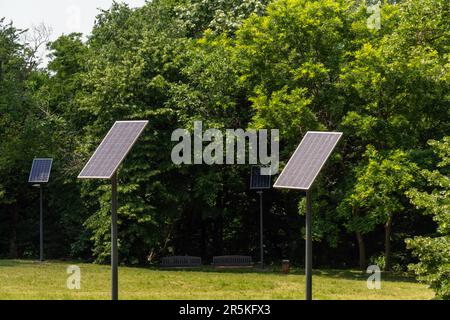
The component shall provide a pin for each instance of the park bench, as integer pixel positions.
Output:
(232, 262)
(181, 262)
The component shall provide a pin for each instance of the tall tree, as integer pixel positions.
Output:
(434, 252)
(377, 196)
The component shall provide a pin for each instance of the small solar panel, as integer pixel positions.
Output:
(308, 160)
(113, 150)
(259, 181)
(40, 170)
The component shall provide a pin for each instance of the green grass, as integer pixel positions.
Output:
(21, 280)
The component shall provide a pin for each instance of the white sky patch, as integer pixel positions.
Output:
(62, 16)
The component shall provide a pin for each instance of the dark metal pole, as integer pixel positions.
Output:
(41, 226)
(114, 251)
(261, 226)
(308, 266)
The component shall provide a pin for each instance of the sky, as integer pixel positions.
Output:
(63, 16)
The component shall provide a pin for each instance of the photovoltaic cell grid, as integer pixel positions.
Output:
(258, 181)
(113, 150)
(40, 171)
(307, 161)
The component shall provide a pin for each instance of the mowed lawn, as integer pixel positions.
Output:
(24, 280)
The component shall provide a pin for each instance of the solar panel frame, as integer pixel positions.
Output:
(290, 165)
(35, 166)
(259, 184)
(90, 165)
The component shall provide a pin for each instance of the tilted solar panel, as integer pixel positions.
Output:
(113, 150)
(40, 170)
(308, 160)
(258, 181)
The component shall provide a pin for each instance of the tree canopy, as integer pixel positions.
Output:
(292, 65)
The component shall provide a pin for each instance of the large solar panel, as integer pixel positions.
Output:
(40, 170)
(113, 150)
(259, 181)
(307, 161)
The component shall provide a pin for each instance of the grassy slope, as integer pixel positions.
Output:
(31, 280)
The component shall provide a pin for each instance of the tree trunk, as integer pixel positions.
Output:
(361, 244)
(204, 241)
(362, 251)
(13, 232)
(218, 235)
(387, 243)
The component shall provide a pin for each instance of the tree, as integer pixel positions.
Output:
(161, 72)
(291, 60)
(434, 252)
(377, 196)
(25, 129)
(219, 16)
(292, 65)
(13, 106)
(395, 88)
(35, 40)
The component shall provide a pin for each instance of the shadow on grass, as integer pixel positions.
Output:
(360, 275)
(22, 263)
(276, 270)
(16, 263)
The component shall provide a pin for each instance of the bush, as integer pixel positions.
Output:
(434, 265)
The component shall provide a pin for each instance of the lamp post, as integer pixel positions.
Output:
(41, 222)
(260, 182)
(39, 175)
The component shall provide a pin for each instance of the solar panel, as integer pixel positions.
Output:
(308, 160)
(113, 150)
(258, 181)
(40, 170)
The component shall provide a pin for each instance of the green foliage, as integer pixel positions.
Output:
(397, 86)
(434, 265)
(219, 16)
(292, 65)
(31, 127)
(288, 111)
(154, 71)
(434, 253)
(379, 187)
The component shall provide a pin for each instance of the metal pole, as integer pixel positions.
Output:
(308, 266)
(114, 251)
(41, 226)
(261, 226)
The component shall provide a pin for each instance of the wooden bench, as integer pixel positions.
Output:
(181, 262)
(233, 262)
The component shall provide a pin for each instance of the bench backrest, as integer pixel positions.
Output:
(233, 261)
(181, 261)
